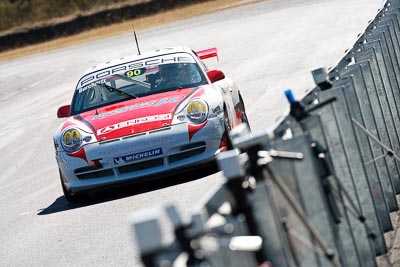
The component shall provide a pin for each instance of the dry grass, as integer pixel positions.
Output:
(124, 27)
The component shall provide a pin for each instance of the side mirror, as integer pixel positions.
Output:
(63, 112)
(215, 75)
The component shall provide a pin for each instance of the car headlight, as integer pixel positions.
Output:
(197, 111)
(73, 139)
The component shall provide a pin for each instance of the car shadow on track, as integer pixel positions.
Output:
(61, 204)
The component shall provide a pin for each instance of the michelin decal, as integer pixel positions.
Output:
(138, 156)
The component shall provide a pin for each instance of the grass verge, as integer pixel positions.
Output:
(124, 27)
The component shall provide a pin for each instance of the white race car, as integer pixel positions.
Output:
(144, 116)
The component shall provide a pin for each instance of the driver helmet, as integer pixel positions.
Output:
(173, 71)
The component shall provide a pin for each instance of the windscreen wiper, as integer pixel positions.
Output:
(112, 89)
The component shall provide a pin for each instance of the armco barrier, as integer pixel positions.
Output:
(316, 191)
(375, 167)
(339, 138)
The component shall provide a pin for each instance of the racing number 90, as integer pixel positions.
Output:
(135, 72)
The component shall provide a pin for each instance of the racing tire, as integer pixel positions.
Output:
(71, 198)
(245, 120)
(228, 128)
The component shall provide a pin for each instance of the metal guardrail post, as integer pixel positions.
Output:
(376, 168)
(253, 203)
(310, 188)
(389, 96)
(392, 19)
(332, 132)
(306, 244)
(378, 216)
(381, 110)
(375, 123)
(350, 170)
(345, 234)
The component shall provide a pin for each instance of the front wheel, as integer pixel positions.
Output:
(228, 128)
(242, 108)
(67, 194)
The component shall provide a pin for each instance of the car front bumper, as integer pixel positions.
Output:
(143, 155)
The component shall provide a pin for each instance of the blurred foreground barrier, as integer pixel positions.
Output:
(316, 191)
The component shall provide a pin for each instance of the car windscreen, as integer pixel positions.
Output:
(136, 79)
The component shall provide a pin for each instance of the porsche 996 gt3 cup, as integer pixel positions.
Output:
(143, 116)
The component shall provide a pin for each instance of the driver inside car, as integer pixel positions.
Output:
(171, 75)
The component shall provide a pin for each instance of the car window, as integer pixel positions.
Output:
(136, 79)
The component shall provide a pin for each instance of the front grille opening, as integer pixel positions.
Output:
(141, 165)
(98, 174)
(193, 145)
(186, 154)
(86, 169)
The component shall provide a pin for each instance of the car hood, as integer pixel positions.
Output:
(136, 115)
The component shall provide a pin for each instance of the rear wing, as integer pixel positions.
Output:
(208, 53)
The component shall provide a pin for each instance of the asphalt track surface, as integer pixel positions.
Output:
(267, 47)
